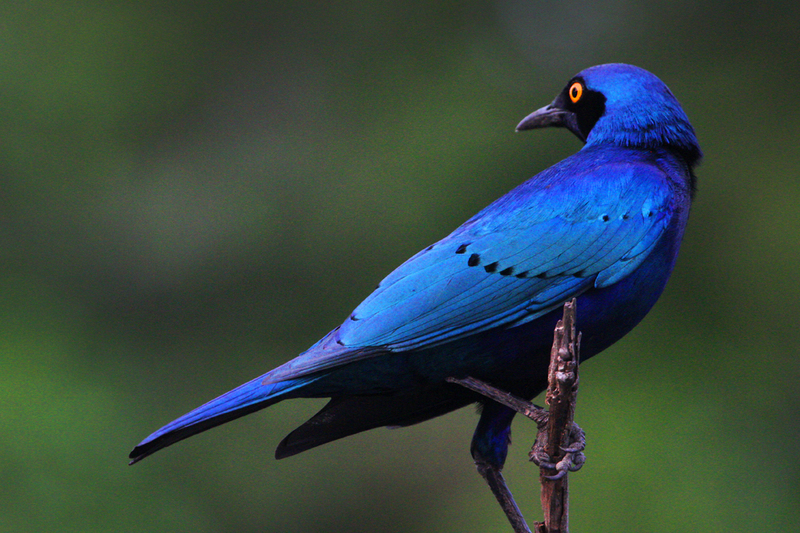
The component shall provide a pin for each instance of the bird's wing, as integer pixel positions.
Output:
(548, 240)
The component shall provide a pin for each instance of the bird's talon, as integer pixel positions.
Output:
(573, 448)
(547, 465)
(559, 475)
(573, 458)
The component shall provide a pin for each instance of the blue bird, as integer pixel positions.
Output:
(603, 226)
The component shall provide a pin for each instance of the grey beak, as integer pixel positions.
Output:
(551, 115)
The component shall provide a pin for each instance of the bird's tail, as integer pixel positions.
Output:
(242, 400)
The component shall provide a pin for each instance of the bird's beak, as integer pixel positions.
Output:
(551, 115)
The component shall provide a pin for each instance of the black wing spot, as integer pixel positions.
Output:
(605, 218)
(462, 249)
(474, 260)
(523, 274)
(626, 216)
(354, 318)
(491, 267)
(507, 271)
(429, 248)
(339, 342)
(542, 275)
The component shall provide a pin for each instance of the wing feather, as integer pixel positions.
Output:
(549, 240)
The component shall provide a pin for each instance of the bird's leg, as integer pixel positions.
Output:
(489, 450)
(497, 483)
(573, 459)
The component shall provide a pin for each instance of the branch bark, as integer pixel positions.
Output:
(562, 391)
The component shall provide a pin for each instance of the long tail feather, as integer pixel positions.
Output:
(245, 399)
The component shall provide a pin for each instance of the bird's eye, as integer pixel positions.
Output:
(575, 92)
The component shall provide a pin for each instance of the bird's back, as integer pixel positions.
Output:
(581, 226)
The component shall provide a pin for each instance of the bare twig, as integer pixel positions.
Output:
(561, 396)
(523, 407)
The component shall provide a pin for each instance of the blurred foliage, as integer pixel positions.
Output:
(194, 192)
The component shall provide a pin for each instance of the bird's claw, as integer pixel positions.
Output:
(574, 448)
(573, 458)
(576, 438)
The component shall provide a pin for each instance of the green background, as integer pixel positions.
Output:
(195, 192)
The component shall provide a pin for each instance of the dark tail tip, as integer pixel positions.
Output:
(135, 456)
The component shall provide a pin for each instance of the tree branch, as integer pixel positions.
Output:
(561, 431)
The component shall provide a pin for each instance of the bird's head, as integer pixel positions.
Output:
(621, 105)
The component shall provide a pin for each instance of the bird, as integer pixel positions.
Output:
(603, 226)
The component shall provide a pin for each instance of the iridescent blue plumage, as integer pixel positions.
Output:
(604, 225)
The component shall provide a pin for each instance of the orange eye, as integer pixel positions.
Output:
(575, 92)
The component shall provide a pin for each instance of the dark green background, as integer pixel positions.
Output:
(194, 192)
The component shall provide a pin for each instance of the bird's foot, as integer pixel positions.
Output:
(572, 459)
